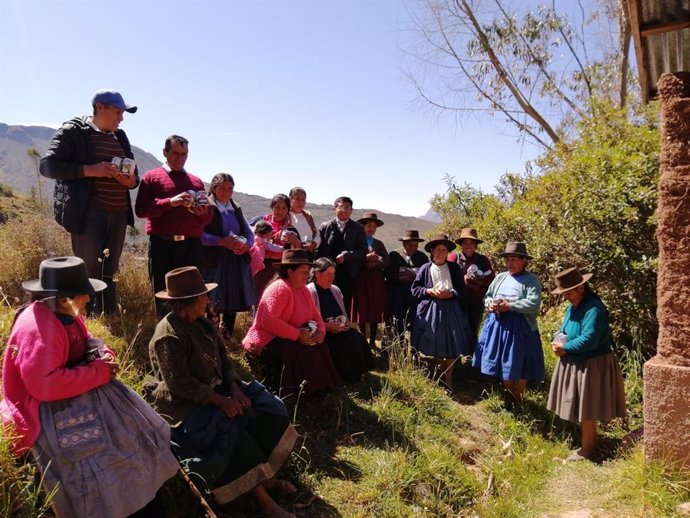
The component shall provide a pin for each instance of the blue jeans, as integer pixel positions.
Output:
(102, 230)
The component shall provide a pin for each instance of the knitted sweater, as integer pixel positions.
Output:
(281, 312)
(587, 329)
(153, 202)
(530, 299)
(35, 370)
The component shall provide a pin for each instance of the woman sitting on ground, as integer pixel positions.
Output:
(87, 432)
(441, 330)
(288, 332)
(587, 384)
(509, 345)
(230, 436)
(349, 350)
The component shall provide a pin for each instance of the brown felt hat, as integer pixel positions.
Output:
(294, 257)
(184, 283)
(411, 235)
(63, 276)
(468, 233)
(439, 239)
(370, 216)
(569, 279)
(516, 248)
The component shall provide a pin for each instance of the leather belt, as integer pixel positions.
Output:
(176, 237)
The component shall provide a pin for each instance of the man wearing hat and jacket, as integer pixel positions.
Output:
(92, 193)
(402, 270)
(478, 274)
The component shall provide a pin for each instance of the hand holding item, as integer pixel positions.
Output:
(101, 170)
(444, 293)
(184, 199)
(198, 210)
(340, 258)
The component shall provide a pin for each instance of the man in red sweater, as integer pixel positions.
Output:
(174, 221)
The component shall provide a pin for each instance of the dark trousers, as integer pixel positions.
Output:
(100, 247)
(346, 285)
(475, 311)
(166, 255)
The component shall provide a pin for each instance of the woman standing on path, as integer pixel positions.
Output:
(587, 384)
(509, 346)
(441, 330)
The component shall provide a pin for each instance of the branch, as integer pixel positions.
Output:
(503, 76)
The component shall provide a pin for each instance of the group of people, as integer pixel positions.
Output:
(88, 432)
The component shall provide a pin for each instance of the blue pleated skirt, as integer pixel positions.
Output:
(441, 330)
(509, 349)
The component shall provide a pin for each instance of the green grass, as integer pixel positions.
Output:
(394, 444)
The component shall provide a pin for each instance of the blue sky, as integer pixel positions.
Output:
(278, 93)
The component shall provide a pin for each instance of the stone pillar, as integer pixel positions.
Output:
(667, 375)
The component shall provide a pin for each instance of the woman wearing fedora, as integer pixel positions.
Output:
(226, 242)
(441, 330)
(402, 270)
(87, 432)
(288, 331)
(230, 436)
(509, 345)
(369, 296)
(351, 354)
(477, 273)
(587, 384)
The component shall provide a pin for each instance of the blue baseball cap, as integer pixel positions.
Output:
(113, 98)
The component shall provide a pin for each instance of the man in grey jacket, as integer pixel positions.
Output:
(91, 192)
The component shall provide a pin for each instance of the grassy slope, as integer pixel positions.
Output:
(394, 444)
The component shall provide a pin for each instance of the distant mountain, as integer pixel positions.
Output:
(431, 216)
(18, 171)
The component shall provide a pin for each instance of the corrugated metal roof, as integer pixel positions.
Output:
(661, 36)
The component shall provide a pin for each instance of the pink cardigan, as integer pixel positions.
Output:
(34, 370)
(281, 312)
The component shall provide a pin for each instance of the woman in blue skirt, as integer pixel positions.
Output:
(509, 345)
(441, 329)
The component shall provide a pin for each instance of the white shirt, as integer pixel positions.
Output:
(299, 221)
(440, 276)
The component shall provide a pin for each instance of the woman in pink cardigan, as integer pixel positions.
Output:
(288, 332)
(87, 432)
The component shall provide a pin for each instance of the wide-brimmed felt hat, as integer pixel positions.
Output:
(63, 276)
(439, 239)
(411, 235)
(569, 279)
(370, 216)
(516, 248)
(184, 283)
(468, 233)
(294, 257)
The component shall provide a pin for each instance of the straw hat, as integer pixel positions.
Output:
(184, 283)
(569, 279)
(63, 276)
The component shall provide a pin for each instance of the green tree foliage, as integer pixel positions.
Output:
(592, 206)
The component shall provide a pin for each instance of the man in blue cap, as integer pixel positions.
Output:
(91, 192)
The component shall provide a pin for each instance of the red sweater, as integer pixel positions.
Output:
(153, 203)
(34, 370)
